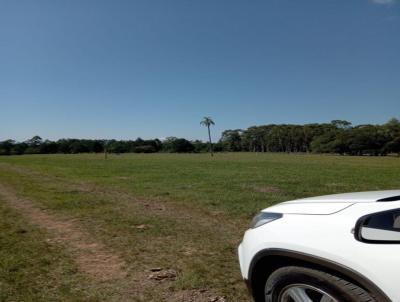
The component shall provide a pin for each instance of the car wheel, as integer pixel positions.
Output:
(301, 284)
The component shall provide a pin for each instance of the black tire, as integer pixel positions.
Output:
(339, 289)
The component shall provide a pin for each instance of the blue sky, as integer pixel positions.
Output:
(148, 68)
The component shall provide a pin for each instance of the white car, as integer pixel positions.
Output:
(342, 248)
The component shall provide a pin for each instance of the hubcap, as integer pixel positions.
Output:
(304, 293)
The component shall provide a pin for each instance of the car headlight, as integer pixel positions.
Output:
(263, 218)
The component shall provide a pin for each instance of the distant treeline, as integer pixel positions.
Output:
(338, 137)
(36, 145)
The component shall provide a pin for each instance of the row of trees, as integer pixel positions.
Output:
(37, 145)
(338, 137)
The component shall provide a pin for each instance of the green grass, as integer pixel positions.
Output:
(230, 182)
(196, 207)
(33, 270)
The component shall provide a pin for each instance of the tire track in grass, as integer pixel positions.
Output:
(92, 257)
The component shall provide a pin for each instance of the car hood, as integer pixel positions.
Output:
(310, 208)
(329, 204)
(370, 196)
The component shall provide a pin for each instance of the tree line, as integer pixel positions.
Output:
(338, 137)
(36, 145)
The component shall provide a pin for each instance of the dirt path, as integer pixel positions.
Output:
(92, 257)
(104, 267)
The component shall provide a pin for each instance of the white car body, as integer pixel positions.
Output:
(323, 228)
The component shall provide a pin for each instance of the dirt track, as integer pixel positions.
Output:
(92, 257)
(103, 266)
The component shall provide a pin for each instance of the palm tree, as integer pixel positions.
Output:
(207, 122)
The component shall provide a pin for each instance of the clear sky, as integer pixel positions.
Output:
(153, 68)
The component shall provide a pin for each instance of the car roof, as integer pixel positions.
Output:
(371, 196)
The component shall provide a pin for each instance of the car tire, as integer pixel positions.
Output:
(287, 282)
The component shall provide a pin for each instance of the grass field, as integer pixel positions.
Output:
(157, 227)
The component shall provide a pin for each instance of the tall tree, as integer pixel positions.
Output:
(231, 140)
(208, 122)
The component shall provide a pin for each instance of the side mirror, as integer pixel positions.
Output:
(381, 227)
